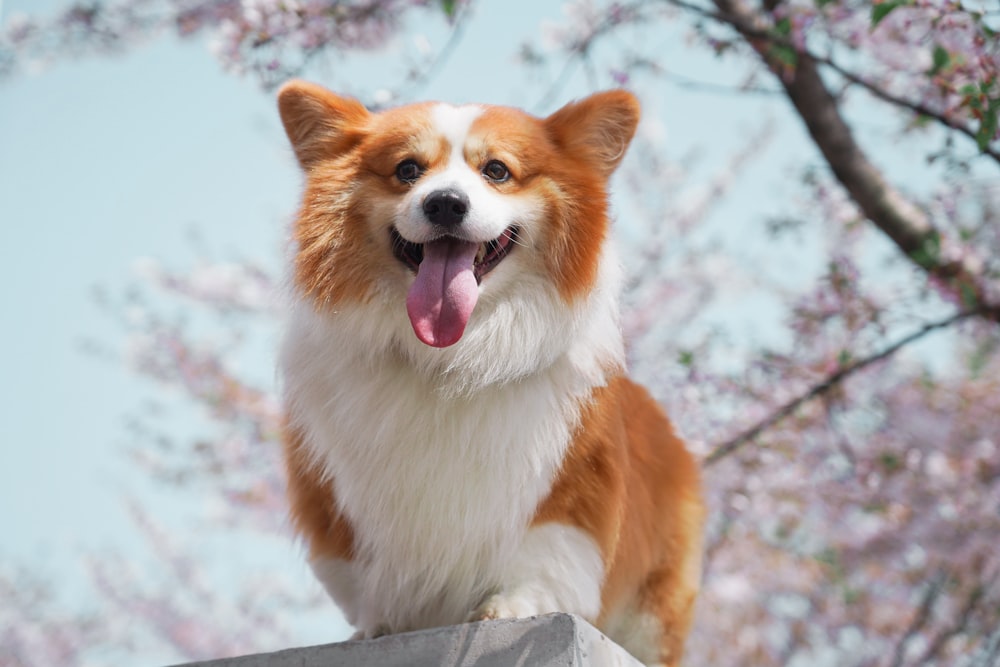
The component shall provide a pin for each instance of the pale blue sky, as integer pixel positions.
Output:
(103, 161)
(107, 159)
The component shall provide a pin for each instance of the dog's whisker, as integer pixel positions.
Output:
(520, 237)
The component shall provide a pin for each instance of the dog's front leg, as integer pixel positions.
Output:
(558, 567)
(340, 578)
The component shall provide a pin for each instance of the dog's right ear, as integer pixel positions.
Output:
(597, 129)
(319, 123)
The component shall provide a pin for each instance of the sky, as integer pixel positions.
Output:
(103, 161)
(106, 160)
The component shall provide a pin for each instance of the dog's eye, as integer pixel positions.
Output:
(408, 171)
(496, 171)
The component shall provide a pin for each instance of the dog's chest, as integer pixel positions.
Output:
(439, 490)
(414, 467)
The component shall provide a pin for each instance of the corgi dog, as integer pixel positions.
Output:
(462, 442)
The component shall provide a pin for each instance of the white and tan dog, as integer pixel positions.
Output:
(462, 442)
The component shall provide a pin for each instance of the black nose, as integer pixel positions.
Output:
(446, 208)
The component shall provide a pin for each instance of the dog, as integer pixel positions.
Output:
(462, 442)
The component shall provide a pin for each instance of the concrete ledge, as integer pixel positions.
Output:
(552, 640)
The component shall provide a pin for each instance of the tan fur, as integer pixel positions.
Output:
(629, 482)
(313, 504)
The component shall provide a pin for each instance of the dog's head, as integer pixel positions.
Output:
(446, 212)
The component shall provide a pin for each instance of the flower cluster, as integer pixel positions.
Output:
(272, 39)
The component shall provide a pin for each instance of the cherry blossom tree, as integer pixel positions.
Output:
(851, 460)
(270, 39)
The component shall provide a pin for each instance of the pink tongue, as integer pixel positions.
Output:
(444, 293)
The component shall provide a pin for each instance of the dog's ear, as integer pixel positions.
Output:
(319, 123)
(596, 129)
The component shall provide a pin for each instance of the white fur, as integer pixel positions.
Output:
(637, 632)
(454, 123)
(556, 568)
(340, 581)
(440, 457)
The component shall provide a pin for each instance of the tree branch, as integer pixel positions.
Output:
(903, 222)
(763, 31)
(988, 651)
(696, 85)
(424, 76)
(582, 46)
(922, 616)
(915, 107)
(826, 385)
(961, 625)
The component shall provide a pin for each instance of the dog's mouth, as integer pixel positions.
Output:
(448, 271)
(490, 253)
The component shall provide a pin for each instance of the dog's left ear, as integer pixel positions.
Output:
(597, 129)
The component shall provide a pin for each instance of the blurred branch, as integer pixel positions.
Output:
(752, 27)
(987, 655)
(272, 40)
(961, 625)
(419, 80)
(829, 383)
(581, 48)
(696, 85)
(903, 222)
(921, 617)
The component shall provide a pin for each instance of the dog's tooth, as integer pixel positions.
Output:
(481, 254)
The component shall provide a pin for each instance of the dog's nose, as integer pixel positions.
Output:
(446, 208)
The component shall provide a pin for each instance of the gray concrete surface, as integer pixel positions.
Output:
(552, 640)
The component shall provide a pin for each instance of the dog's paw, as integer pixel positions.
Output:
(370, 633)
(503, 605)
